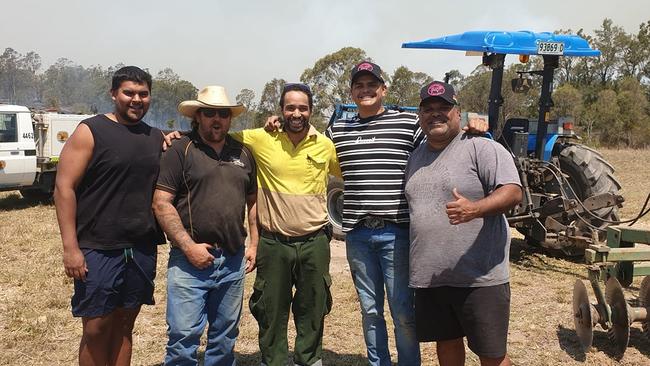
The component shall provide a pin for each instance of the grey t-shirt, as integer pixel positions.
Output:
(471, 254)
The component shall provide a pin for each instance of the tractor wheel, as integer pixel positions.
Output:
(589, 174)
(335, 207)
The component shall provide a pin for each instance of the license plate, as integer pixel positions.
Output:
(550, 48)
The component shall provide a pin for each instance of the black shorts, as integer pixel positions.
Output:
(119, 278)
(479, 313)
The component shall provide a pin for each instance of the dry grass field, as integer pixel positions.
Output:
(37, 328)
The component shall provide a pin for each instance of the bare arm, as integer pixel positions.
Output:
(197, 253)
(476, 126)
(500, 201)
(169, 138)
(75, 157)
(272, 124)
(253, 233)
(334, 166)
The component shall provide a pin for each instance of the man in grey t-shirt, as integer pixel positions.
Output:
(458, 186)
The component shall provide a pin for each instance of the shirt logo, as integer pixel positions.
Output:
(436, 89)
(237, 162)
(365, 67)
(365, 141)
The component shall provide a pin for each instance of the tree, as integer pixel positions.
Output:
(565, 71)
(605, 116)
(329, 78)
(96, 89)
(644, 39)
(19, 83)
(246, 98)
(475, 91)
(270, 99)
(633, 105)
(245, 120)
(405, 86)
(473, 95)
(455, 78)
(636, 57)
(583, 69)
(63, 86)
(568, 102)
(608, 40)
(168, 91)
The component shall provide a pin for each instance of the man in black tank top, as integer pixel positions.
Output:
(104, 190)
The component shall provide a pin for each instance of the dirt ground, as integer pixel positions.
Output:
(37, 328)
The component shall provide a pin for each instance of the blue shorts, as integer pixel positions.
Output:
(118, 278)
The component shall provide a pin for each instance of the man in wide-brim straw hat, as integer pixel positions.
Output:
(210, 97)
(207, 180)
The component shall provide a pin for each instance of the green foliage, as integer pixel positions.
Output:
(568, 102)
(405, 85)
(246, 98)
(474, 91)
(19, 83)
(607, 96)
(329, 78)
(270, 99)
(167, 91)
(245, 120)
(608, 40)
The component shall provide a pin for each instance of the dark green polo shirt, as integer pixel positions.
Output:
(210, 188)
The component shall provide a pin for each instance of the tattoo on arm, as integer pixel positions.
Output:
(169, 219)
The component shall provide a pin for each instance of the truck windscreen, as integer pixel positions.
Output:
(8, 128)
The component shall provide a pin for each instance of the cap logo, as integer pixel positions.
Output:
(435, 90)
(365, 67)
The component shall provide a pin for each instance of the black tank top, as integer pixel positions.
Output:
(115, 194)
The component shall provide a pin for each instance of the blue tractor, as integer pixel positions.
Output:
(570, 192)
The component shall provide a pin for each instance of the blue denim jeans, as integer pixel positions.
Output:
(195, 297)
(379, 258)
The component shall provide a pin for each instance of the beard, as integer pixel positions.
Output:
(296, 125)
(212, 133)
(132, 116)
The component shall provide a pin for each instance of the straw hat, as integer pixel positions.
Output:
(210, 97)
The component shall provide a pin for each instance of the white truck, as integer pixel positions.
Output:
(30, 144)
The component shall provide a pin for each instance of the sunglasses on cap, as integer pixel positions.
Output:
(297, 86)
(211, 112)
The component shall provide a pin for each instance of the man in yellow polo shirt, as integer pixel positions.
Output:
(293, 168)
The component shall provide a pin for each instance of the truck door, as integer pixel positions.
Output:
(17, 152)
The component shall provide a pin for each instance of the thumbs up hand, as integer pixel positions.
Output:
(461, 210)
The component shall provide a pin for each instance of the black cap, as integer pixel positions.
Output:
(438, 89)
(366, 67)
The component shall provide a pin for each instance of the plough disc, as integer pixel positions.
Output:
(644, 301)
(619, 333)
(582, 317)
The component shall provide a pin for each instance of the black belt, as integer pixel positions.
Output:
(293, 239)
(375, 222)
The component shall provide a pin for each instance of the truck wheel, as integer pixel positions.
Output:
(35, 194)
(335, 207)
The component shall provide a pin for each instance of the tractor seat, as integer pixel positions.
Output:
(511, 126)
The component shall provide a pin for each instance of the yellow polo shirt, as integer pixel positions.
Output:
(292, 180)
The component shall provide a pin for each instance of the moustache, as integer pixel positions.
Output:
(439, 119)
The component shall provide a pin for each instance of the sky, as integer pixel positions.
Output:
(244, 44)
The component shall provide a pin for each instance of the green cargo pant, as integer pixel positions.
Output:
(280, 266)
